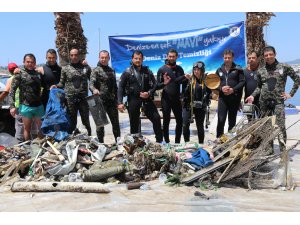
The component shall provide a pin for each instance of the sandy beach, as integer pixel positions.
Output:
(160, 197)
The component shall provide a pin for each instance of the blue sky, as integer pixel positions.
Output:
(34, 31)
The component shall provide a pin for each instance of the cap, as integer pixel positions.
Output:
(11, 67)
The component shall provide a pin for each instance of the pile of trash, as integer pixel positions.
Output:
(134, 159)
(245, 159)
(81, 158)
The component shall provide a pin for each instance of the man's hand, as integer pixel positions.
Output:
(225, 89)
(230, 91)
(53, 86)
(84, 62)
(167, 79)
(13, 112)
(40, 70)
(144, 95)
(121, 108)
(16, 71)
(96, 92)
(188, 76)
(250, 99)
(285, 96)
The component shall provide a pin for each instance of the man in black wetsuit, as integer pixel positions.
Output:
(231, 87)
(50, 74)
(138, 83)
(169, 77)
(251, 78)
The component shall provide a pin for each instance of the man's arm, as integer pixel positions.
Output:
(258, 88)
(115, 88)
(63, 78)
(182, 78)
(220, 86)
(154, 82)
(187, 95)
(122, 85)
(295, 77)
(7, 89)
(12, 94)
(241, 82)
(89, 71)
(160, 80)
(93, 80)
(257, 91)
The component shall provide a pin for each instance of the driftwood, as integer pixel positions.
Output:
(241, 149)
(15, 166)
(59, 155)
(5, 167)
(59, 187)
(9, 171)
(240, 136)
(255, 158)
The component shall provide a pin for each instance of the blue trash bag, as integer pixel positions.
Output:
(200, 159)
(56, 118)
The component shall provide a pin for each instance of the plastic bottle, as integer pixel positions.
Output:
(74, 177)
(145, 187)
(162, 178)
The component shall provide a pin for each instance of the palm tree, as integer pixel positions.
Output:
(255, 22)
(69, 35)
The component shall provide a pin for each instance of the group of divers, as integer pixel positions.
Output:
(186, 95)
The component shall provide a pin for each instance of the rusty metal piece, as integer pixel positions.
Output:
(135, 185)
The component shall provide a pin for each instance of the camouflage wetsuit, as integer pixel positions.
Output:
(74, 80)
(103, 78)
(29, 84)
(271, 81)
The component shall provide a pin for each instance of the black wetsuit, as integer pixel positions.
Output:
(50, 77)
(250, 86)
(170, 99)
(229, 103)
(199, 100)
(132, 82)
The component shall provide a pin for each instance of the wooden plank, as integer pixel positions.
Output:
(206, 170)
(238, 138)
(8, 172)
(237, 155)
(59, 155)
